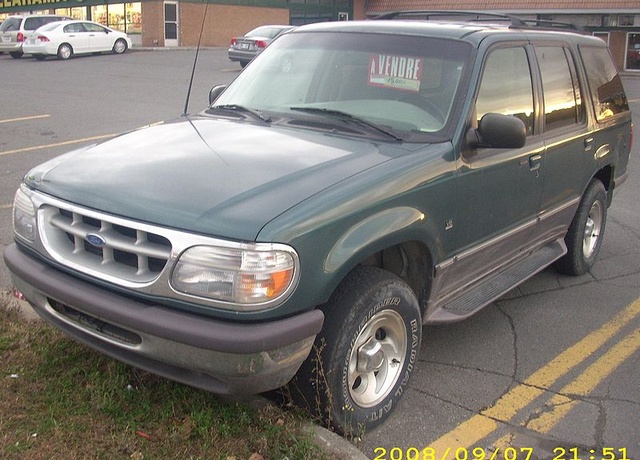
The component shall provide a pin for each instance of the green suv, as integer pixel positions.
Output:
(357, 181)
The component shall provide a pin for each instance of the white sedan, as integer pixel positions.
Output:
(66, 38)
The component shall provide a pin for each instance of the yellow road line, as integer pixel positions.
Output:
(59, 144)
(585, 383)
(33, 117)
(470, 432)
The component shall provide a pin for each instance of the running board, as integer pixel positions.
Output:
(502, 282)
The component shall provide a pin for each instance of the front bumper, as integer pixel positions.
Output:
(216, 356)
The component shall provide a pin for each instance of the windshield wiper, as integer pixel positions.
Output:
(240, 108)
(348, 117)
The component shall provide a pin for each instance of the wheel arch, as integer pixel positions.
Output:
(605, 175)
(394, 240)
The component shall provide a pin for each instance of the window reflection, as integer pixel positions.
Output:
(563, 104)
(506, 86)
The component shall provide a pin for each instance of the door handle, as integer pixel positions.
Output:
(534, 162)
(602, 151)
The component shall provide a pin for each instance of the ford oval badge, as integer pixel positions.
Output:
(96, 240)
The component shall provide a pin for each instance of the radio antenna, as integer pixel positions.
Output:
(195, 60)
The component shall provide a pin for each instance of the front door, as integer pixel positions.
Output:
(499, 189)
(171, 24)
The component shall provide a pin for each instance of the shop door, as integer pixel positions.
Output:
(170, 23)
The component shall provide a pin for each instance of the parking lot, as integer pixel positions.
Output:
(549, 371)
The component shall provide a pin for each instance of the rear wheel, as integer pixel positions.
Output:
(586, 231)
(363, 358)
(65, 51)
(16, 54)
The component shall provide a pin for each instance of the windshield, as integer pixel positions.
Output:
(404, 84)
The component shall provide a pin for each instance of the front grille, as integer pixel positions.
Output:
(103, 246)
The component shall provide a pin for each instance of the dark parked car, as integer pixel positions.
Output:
(357, 181)
(244, 49)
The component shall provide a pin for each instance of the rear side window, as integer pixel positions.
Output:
(506, 86)
(562, 99)
(33, 23)
(37, 22)
(605, 85)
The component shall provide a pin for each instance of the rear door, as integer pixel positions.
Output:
(568, 162)
(76, 35)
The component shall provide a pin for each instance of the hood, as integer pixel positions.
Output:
(210, 176)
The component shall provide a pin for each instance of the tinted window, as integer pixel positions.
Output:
(73, 28)
(562, 101)
(506, 86)
(604, 82)
(33, 23)
(10, 24)
(94, 27)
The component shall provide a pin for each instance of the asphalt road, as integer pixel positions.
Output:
(549, 371)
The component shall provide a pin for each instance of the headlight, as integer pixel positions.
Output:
(252, 277)
(24, 216)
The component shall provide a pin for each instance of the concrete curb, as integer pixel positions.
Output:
(332, 444)
(335, 445)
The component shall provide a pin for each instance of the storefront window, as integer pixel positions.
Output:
(116, 16)
(134, 18)
(99, 14)
(126, 17)
(79, 13)
(633, 52)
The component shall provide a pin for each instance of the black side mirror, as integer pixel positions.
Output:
(215, 92)
(499, 132)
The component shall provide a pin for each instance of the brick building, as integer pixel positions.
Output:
(166, 23)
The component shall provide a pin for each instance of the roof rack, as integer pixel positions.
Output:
(551, 24)
(478, 16)
(438, 14)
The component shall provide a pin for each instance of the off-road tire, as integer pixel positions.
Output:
(586, 231)
(372, 311)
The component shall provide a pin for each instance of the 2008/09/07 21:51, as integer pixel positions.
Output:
(509, 453)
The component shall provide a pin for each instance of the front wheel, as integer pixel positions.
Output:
(120, 46)
(586, 231)
(363, 358)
